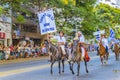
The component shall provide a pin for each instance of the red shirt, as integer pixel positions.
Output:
(11, 48)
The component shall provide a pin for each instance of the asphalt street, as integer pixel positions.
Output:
(40, 70)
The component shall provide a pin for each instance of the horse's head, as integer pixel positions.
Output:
(49, 45)
(100, 44)
(75, 43)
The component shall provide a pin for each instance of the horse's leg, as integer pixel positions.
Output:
(86, 65)
(101, 58)
(117, 56)
(78, 68)
(52, 67)
(63, 66)
(107, 55)
(71, 67)
(59, 66)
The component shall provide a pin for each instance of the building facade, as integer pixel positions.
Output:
(5, 30)
(28, 30)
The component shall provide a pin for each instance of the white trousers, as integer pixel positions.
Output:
(83, 51)
(63, 49)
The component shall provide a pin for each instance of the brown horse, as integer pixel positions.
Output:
(77, 57)
(103, 54)
(117, 51)
(56, 55)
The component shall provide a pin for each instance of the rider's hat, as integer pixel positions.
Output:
(103, 35)
(69, 44)
(79, 32)
(76, 38)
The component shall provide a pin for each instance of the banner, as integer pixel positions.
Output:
(47, 22)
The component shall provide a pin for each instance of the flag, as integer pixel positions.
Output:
(112, 34)
(98, 35)
(47, 22)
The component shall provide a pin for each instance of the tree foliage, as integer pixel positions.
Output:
(107, 17)
(82, 15)
(1, 10)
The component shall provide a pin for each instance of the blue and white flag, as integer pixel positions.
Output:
(112, 34)
(98, 35)
(47, 22)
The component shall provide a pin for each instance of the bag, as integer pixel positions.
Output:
(87, 58)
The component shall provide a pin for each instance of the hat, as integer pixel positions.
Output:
(79, 32)
(103, 35)
(76, 38)
(69, 43)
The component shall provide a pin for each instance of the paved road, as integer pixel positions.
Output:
(40, 70)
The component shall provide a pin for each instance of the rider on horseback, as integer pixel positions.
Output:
(60, 41)
(81, 42)
(104, 41)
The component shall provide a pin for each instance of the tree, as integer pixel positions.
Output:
(69, 15)
(74, 16)
(107, 17)
(1, 10)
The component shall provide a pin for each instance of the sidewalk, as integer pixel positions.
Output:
(20, 60)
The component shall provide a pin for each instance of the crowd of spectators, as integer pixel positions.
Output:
(22, 51)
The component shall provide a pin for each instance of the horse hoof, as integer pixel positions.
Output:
(73, 73)
(59, 72)
(62, 71)
(51, 73)
(87, 71)
(77, 74)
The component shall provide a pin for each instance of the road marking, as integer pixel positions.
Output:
(28, 69)
(23, 70)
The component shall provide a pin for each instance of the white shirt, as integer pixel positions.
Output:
(105, 42)
(81, 39)
(60, 39)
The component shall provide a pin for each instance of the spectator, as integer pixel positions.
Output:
(44, 50)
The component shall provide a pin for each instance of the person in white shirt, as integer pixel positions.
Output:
(105, 42)
(82, 42)
(61, 41)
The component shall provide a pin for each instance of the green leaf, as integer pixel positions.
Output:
(20, 19)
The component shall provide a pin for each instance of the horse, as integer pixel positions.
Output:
(103, 54)
(56, 54)
(77, 57)
(117, 51)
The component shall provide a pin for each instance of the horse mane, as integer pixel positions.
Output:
(52, 47)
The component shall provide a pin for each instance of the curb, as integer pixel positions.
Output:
(21, 60)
